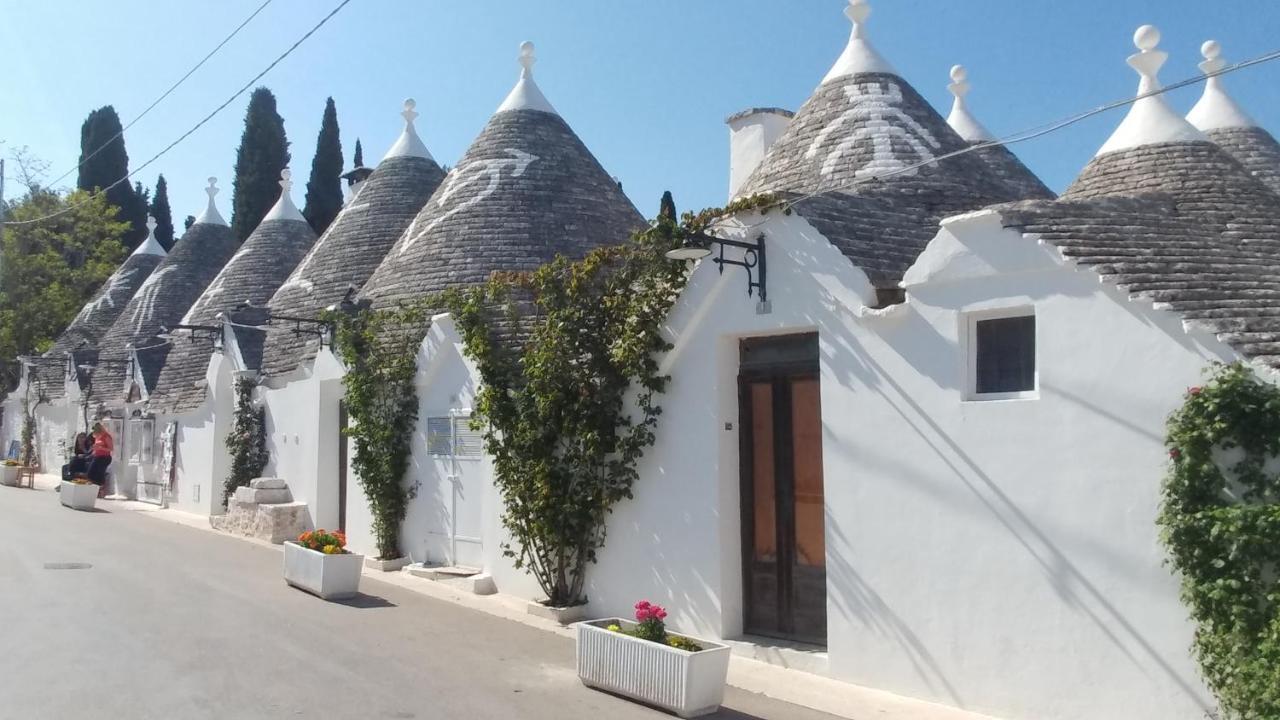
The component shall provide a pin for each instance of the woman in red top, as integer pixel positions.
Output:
(102, 447)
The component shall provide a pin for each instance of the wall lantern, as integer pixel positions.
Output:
(698, 246)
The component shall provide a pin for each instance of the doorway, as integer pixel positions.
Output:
(783, 528)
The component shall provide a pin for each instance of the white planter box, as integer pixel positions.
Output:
(686, 683)
(9, 475)
(386, 565)
(329, 576)
(78, 497)
(561, 615)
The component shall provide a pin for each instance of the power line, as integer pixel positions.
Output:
(166, 94)
(200, 124)
(1025, 135)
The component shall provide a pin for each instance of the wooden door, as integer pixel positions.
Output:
(784, 541)
(342, 465)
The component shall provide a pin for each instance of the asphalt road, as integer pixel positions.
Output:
(113, 614)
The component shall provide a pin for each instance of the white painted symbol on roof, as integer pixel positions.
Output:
(298, 277)
(883, 121)
(107, 298)
(518, 162)
(146, 298)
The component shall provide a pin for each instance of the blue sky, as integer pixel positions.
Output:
(645, 83)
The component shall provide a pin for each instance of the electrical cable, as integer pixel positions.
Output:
(166, 94)
(1023, 136)
(198, 125)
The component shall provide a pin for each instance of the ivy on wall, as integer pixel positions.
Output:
(1220, 520)
(247, 440)
(567, 404)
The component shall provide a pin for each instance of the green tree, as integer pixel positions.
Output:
(188, 222)
(667, 208)
(104, 163)
(162, 213)
(324, 189)
(49, 270)
(263, 153)
(358, 160)
(247, 441)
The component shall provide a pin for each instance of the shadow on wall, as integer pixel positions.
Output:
(1071, 585)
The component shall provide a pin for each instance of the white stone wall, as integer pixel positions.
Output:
(999, 556)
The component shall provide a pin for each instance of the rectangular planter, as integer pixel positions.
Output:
(9, 475)
(386, 565)
(78, 497)
(331, 577)
(686, 683)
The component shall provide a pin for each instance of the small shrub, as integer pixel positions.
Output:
(329, 543)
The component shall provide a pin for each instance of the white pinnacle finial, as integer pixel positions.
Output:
(859, 56)
(1217, 110)
(960, 119)
(1150, 119)
(409, 144)
(284, 209)
(526, 95)
(527, 58)
(211, 216)
(150, 246)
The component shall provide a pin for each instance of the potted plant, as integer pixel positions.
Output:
(318, 562)
(78, 494)
(644, 662)
(9, 472)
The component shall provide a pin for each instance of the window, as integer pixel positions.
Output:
(451, 435)
(1002, 352)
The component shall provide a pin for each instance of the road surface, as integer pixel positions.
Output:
(113, 614)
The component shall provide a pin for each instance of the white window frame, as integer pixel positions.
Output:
(970, 327)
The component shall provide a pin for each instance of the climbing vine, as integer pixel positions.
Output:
(247, 440)
(1220, 520)
(567, 356)
(380, 352)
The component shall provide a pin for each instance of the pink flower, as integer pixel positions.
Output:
(1175, 453)
(1195, 390)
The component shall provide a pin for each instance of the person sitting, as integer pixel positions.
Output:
(103, 445)
(81, 452)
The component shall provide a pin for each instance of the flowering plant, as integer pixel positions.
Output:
(651, 625)
(329, 543)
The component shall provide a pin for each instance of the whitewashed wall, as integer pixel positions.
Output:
(201, 460)
(303, 437)
(998, 556)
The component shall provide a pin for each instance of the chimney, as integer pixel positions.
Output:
(751, 133)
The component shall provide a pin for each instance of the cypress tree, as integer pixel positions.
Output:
(324, 189)
(263, 153)
(162, 213)
(186, 224)
(667, 208)
(103, 162)
(358, 160)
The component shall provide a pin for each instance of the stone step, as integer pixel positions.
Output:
(263, 496)
(467, 579)
(268, 483)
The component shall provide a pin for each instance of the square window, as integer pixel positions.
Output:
(1004, 355)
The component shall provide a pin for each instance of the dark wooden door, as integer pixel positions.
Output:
(784, 541)
(342, 465)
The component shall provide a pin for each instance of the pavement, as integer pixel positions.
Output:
(112, 614)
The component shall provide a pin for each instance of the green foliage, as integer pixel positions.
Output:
(104, 163)
(49, 270)
(324, 189)
(263, 153)
(247, 441)
(162, 213)
(380, 352)
(1220, 520)
(358, 159)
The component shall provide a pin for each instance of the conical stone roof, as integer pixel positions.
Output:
(351, 248)
(97, 316)
(1229, 127)
(252, 276)
(998, 158)
(862, 154)
(526, 190)
(163, 299)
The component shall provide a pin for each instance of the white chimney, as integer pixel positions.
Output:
(751, 133)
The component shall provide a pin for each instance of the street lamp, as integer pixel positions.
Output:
(697, 247)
